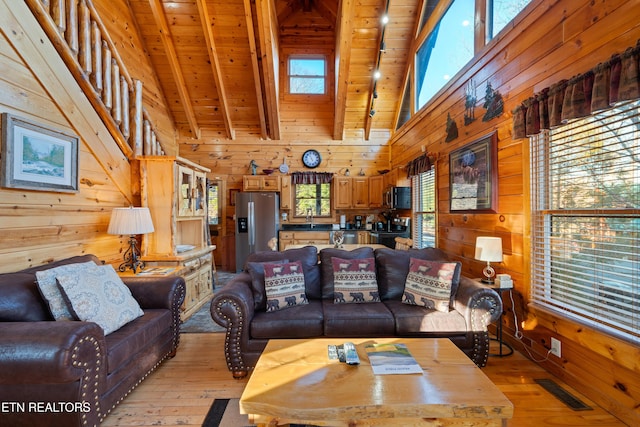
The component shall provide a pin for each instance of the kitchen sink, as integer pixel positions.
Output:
(305, 227)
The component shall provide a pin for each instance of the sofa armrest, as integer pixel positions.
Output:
(157, 292)
(479, 304)
(232, 307)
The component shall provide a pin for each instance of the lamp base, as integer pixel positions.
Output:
(489, 274)
(132, 257)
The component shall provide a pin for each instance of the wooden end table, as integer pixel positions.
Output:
(295, 382)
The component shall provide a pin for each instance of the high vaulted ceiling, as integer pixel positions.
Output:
(221, 63)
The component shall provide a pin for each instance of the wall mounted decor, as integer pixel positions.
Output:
(470, 103)
(452, 129)
(473, 176)
(493, 103)
(36, 157)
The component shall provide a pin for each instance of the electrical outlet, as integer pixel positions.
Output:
(556, 347)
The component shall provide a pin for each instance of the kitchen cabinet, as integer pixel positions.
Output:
(286, 238)
(261, 183)
(364, 237)
(286, 192)
(376, 189)
(174, 190)
(351, 192)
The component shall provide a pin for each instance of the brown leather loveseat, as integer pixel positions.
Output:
(67, 372)
(241, 306)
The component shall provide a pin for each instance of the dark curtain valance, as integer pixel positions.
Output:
(419, 165)
(604, 86)
(311, 177)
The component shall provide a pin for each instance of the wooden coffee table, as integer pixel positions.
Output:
(295, 382)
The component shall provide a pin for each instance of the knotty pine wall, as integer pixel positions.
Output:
(550, 41)
(37, 226)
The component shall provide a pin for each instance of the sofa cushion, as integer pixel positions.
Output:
(309, 258)
(256, 271)
(98, 295)
(131, 339)
(362, 320)
(284, 285)
(393, 268)
(51, 292)
(20, 299)
(429, 284)
(354, 280)
(302, 321)
(419, 320)
(326, 266)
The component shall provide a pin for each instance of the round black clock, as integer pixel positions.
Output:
(311, 158)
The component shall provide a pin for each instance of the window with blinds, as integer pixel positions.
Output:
(424, 209)
(585, 198)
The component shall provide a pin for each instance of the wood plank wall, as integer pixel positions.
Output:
(37, 226)
(552, 40)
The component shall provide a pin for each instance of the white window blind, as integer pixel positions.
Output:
(585, 192)
(424, 209)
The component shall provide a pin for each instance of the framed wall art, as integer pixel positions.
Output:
(35, 157)
(473, 176)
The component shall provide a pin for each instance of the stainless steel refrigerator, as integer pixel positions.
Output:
(257, 222)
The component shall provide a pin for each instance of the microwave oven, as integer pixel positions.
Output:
(397, 198)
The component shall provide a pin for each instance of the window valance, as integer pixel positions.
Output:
(311, 177)
(605, 85)
(419, 165)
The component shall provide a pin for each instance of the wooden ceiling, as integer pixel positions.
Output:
(221, 63)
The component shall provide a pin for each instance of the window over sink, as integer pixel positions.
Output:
(314, 197)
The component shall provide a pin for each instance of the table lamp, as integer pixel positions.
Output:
(489, 249)
(131, 221)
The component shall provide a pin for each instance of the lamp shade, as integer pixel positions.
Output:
(130, 221)
(489, 249)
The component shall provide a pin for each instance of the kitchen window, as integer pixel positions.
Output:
(585, 243)
(314, 198)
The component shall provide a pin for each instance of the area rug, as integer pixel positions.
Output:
(226, 413)
(201, 321)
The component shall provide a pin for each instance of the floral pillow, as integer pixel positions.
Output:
(100, 296)
(429, 284)
(354, 280)
(284, 285)
(51, 292)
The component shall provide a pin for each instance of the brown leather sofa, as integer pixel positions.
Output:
(240, 307)
(68, 373)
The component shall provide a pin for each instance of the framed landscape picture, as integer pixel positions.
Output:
(35, 157)
(473, 176)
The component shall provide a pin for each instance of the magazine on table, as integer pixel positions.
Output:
(389, 359)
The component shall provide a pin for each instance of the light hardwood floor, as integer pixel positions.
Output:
(181, 391)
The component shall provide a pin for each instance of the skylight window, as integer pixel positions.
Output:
(307, 76)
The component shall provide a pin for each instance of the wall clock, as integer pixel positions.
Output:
(311, 158)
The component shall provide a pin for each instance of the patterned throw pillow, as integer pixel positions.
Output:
(354, 280)
(100, 296)
(50, 291)
(284, 285)
(429, 284)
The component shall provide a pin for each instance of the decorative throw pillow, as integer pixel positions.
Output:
(429, 284)
(100, 296)
(284, 285)
(256, 271)
(354, 280)
(50, 291)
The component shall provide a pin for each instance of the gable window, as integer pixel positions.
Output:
(585, 195)
(424, 209)
(313, 199)
(307, 75)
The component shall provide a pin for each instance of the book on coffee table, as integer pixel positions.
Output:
(389, 359)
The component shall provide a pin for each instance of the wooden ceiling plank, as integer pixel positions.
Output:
(344, 36)
(370, 111)
(170, 51)
(205, 19)
(256, 68)
(269, 47)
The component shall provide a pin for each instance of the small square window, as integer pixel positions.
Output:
(307, 75)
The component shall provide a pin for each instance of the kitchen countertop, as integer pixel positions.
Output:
(346, 246)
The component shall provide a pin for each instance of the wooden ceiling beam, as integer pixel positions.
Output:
(255, 65)
(269, 48)
(205, 19)
(160, 19)
(344, 36)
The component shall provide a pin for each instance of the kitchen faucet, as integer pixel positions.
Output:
(310, 216)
